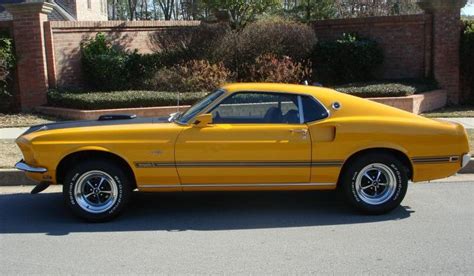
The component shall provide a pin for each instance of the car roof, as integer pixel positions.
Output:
(276, 87)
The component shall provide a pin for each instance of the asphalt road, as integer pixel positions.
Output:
(242, 233)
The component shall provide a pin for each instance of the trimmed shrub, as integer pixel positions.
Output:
(7, 63)
(270, 68)
(194, 75)
(467, 57)
(120, 99)
(389, 88)
(130, 98)
(180, 45)
(107, 67)
(348, 59)
(280, 37)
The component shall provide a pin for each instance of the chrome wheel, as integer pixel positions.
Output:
(96, 191)
(376, 184)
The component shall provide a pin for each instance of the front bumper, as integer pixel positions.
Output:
(466, 158)
(22, 166)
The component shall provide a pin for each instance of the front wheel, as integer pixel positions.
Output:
(375, 183)
(97, 190)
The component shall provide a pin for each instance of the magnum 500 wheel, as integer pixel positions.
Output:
(375, 183)
(97, 190)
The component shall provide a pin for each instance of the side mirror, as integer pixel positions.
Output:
(203, 120)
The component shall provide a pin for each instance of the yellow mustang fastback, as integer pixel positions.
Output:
(252, 136)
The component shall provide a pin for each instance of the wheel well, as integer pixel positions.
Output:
(396, 153)
(77, 157)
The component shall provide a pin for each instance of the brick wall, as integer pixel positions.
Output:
(64, 54)
(406, 41)
(447, 29)
(28, 33)
(49, 52)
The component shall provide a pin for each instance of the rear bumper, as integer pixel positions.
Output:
(466, 158)
(22, 166)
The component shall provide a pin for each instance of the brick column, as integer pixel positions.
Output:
(446, 41)
(28, 34)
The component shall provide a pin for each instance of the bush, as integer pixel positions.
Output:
(7, 63)
(238, 50)
(389, 88)
(467, 56)
(108, 68)
(348, 59)
(269, 68)
(180, 45)
(194, 75)
(119, 99)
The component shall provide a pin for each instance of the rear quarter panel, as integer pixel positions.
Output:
(415, 137)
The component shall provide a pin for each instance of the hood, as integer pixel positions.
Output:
(99, 122)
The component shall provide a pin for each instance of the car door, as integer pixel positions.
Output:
(256, 138)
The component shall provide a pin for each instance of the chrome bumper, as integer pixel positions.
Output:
(466, 158)
(22, 166)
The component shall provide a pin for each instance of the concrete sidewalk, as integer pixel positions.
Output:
(11, 133)
(468, 123)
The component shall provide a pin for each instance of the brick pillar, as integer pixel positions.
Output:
(446, 40)
(28, 34)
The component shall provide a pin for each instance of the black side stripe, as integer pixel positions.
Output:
(239, 164)
(436, 159)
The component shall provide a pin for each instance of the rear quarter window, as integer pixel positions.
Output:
(313, 110)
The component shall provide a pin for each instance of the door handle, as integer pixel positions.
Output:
(301, 131)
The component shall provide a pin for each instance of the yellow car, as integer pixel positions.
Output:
(246, 136)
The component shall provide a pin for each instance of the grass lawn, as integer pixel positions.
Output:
(24, 120)
(452, 112)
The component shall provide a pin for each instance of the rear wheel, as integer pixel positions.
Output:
(375, 183)
(97, 190)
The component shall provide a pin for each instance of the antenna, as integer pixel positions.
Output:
(177, 106)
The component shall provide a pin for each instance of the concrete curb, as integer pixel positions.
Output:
(469, 168)
(14, 177)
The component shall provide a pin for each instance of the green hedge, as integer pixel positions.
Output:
(350, 58)
(124, 99)
(467, 56)
(7, 64)
(108, 67)
(120, 99)
(387, 88)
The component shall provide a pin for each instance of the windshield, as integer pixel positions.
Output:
(200, 106)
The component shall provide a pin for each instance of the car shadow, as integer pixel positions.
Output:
(201, 211)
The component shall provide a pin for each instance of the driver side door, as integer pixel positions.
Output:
(256, 139)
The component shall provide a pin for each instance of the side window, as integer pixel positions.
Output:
(313, 110)
(257, 108)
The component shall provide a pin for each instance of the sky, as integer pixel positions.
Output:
(468, 10)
